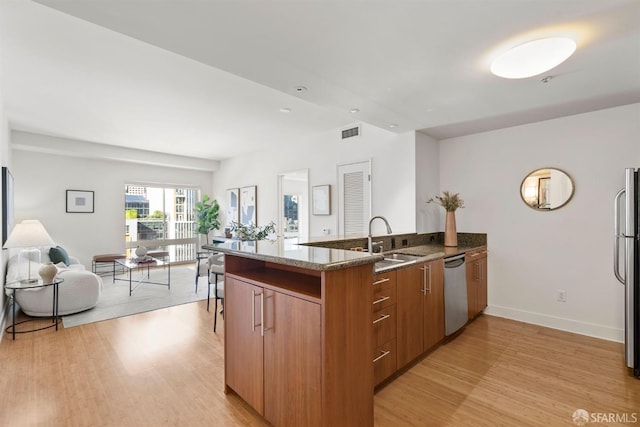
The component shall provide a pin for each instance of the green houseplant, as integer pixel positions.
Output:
(207, 212)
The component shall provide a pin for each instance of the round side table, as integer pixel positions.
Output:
(22, 285)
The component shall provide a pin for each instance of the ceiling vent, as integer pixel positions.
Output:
(351, 132)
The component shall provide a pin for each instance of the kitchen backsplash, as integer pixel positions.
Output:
(398, 241)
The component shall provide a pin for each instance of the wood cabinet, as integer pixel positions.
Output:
(384, 326)
(476, 281)
(295, 349)
(420, 309)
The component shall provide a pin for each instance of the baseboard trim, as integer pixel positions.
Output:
(568, 325)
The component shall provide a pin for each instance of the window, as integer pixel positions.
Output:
(291, 214)
(161, 218)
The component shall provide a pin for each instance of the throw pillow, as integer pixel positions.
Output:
(58, 254)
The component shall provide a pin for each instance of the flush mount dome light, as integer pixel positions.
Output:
(533, 58)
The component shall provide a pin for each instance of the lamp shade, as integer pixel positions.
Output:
(29, 233)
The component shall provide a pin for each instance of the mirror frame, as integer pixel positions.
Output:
(573, 189)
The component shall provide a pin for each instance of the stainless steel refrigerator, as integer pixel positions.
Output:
(627, 262)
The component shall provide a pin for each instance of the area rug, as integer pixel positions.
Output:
(115, 300)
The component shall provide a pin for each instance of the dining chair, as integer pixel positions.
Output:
(216, 268)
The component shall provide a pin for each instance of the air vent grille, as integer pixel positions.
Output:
(351, 132)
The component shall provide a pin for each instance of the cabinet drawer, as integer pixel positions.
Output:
(384, 291)
(384, 325)
(384, 362)
(384, 280)
(476, 254)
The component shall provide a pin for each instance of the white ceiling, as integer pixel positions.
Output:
(208, 78)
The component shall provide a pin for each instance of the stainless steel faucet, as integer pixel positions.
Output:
(369, 238)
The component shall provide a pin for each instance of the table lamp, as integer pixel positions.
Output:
(29, 235)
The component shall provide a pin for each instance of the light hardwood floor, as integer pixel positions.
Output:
(166, 368)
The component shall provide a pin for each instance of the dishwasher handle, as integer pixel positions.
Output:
(454, 261)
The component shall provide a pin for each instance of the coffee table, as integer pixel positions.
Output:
(22, 285)
(143, 267)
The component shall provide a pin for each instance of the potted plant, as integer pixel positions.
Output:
(450, 202)
(251, 231)
(207, 212)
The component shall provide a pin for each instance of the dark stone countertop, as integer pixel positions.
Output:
(322, 259)
(282, 252)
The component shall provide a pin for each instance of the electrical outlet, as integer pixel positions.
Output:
(562, 295)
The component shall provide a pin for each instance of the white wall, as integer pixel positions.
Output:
(5, 160)
(534, 254)
(393, 174)
(41, 181)
(427, 184)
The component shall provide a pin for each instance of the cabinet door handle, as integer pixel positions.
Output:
(424, 289)
(262, 315)
(378, 301)
(381, 318)
(253, 310)
(378, 282)
(384, 353)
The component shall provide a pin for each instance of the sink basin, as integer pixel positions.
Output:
(395, 260)
(400, 257)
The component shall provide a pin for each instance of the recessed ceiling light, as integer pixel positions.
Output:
(533, 58)
(285, 110)
(300, 89)
(393, 125)
(354, 110)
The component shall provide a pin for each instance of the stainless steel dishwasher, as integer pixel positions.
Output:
(455, 294)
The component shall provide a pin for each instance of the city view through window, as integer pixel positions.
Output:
(161, 218)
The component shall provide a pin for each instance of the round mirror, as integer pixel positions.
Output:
(547, 189)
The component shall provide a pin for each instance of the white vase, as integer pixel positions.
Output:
(48, 271)
(141, 251)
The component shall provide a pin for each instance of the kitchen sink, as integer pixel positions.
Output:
(401, 257)
(395, 260)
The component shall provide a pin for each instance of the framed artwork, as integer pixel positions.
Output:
(7, 203)
(248, 205)
(79, 201)
(233, 206)
(321, 199)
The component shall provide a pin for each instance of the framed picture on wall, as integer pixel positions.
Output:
(7, 203)
(321, 198)
(232, 206)
(79, 201)
(248, 205)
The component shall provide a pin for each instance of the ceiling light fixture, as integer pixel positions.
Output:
(354, 110)
(285, 110)
(300, 89)
(393, 125)
(533, 58)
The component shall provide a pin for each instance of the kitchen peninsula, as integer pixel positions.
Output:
(295, 321)
(299, 342)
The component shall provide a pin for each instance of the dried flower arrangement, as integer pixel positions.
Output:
(449, 201)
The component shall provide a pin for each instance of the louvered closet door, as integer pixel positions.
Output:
(354, 198)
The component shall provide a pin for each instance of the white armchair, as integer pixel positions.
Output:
(80, 291)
